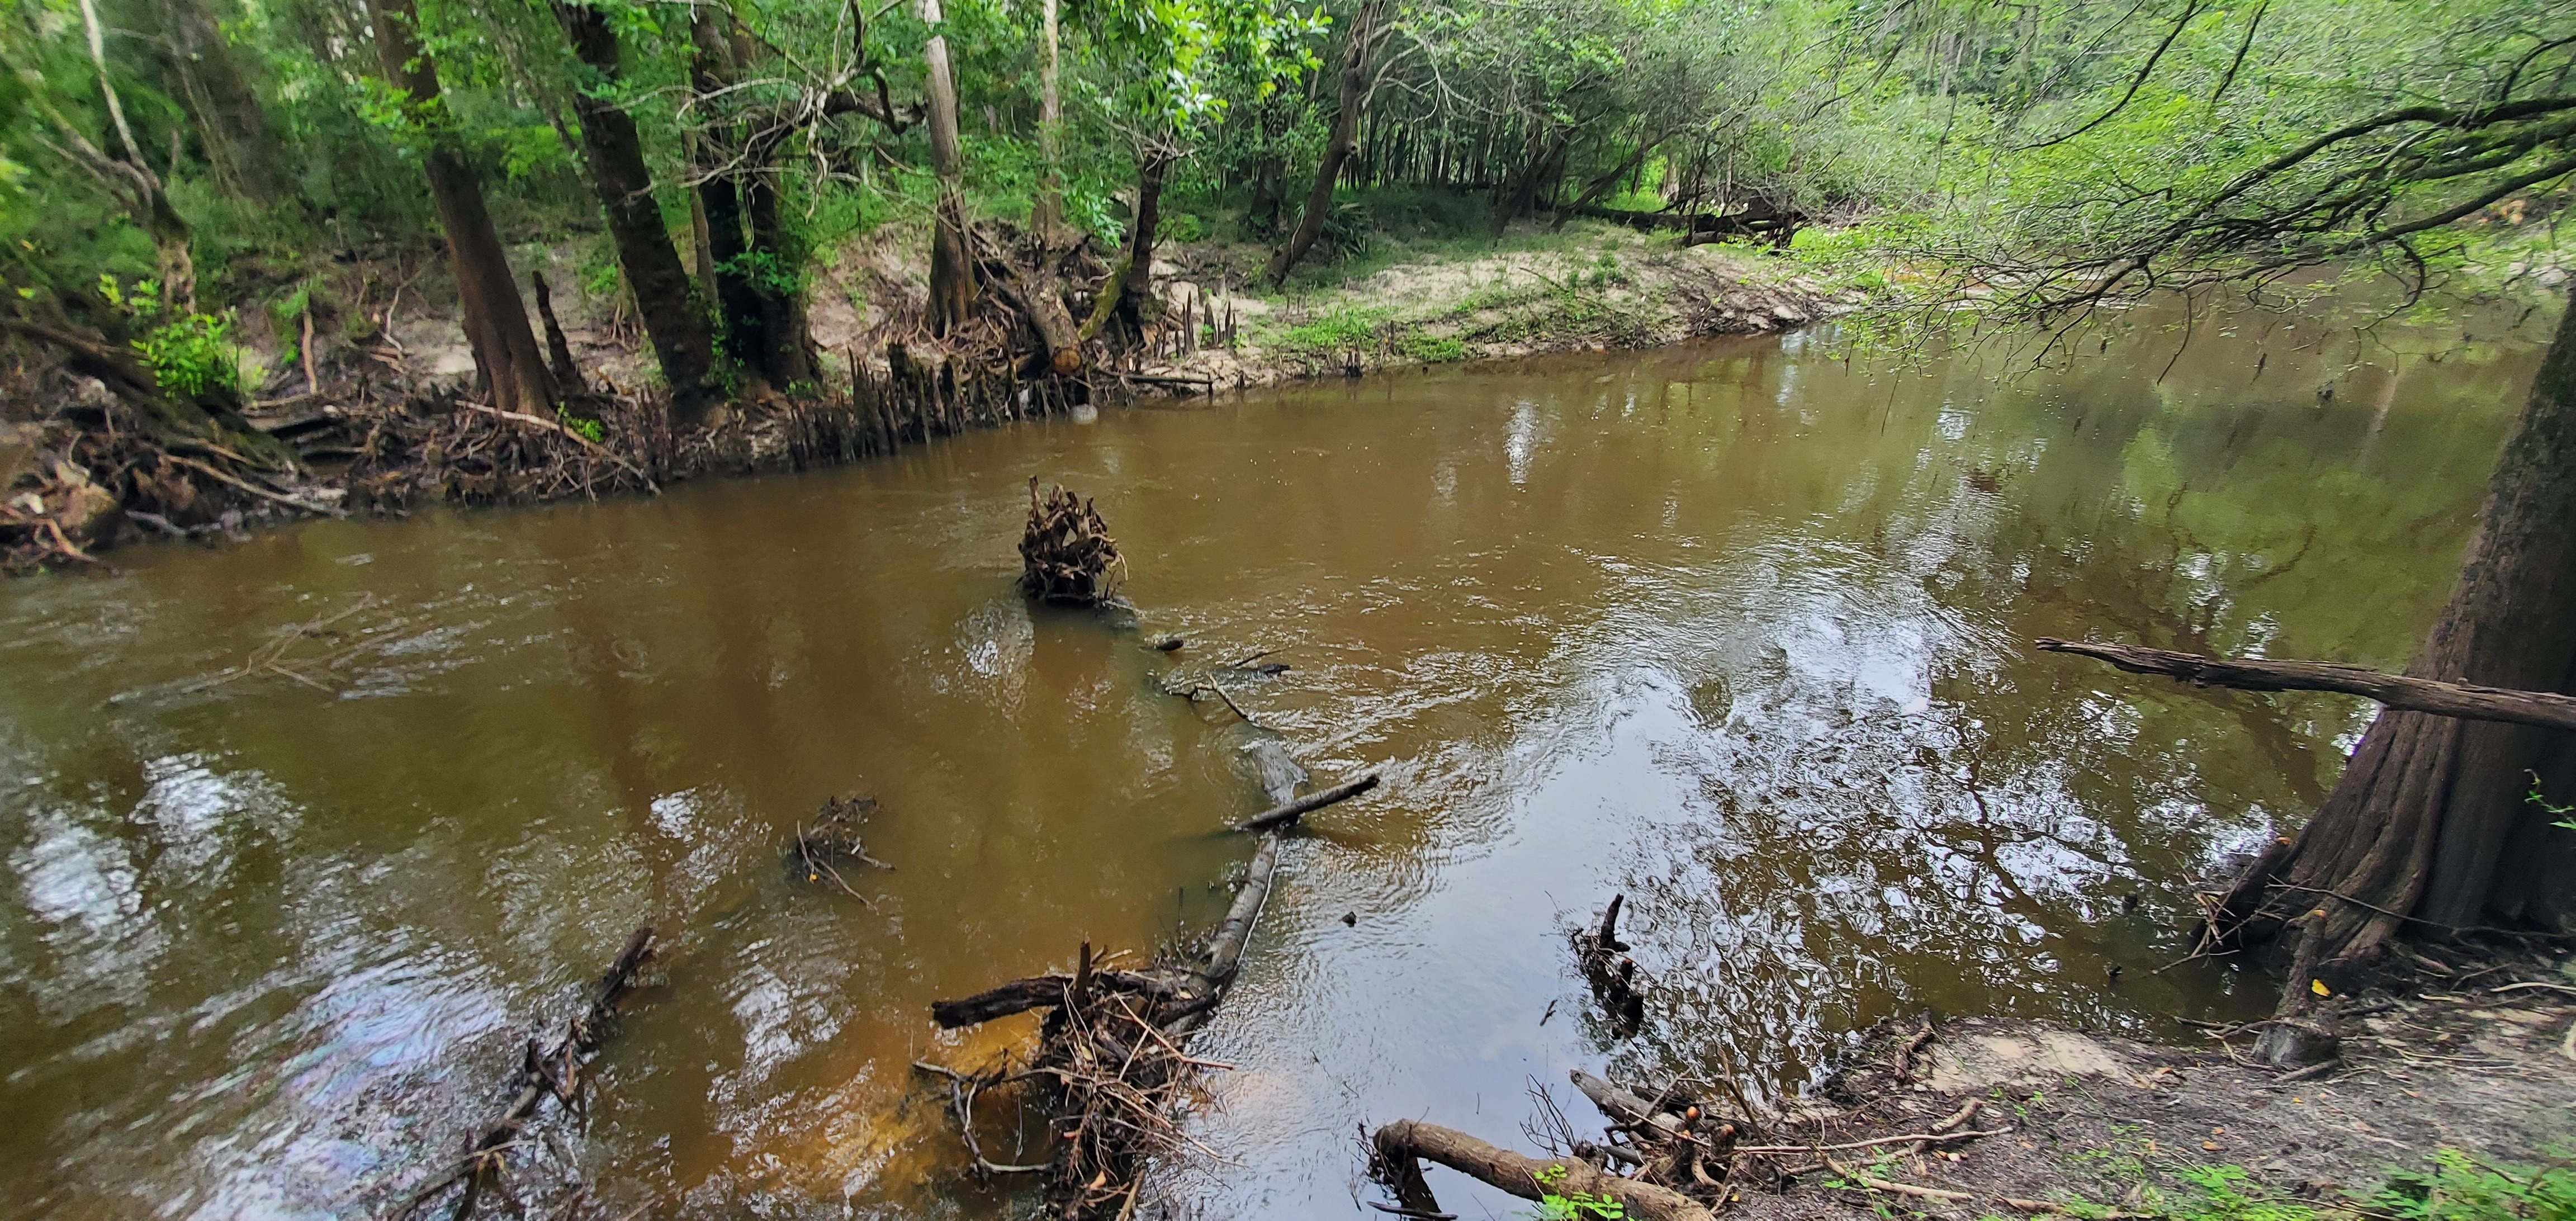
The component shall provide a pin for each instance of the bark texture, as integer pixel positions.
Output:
(952, 274)
(1046, 213)
(1404, 1144)
(711, 73)
(2413, 838)
(674, 318)
(1345, 135)
(507, 359)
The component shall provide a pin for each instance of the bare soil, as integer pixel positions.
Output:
(2081, 1119)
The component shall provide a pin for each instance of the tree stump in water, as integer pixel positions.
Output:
(1067, 556)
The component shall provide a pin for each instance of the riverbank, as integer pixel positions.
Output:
(362, 375)
(2451, 1100)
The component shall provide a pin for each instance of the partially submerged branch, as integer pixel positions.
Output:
(2465, 700)
(1287, 813)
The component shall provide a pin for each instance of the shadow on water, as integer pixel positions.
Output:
(1739, 629)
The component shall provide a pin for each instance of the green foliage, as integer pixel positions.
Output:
(2227, 1193)
(189, 354)
(590, 430)
(1334, 331)
(1554, 1205)
(2565, 814)
(1434, 349)
(2463, 1188)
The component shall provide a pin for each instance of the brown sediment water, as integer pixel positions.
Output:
(1740, 629)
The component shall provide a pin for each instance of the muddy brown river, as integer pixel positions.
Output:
(1739, 629)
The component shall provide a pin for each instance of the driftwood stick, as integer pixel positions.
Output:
(1282, 815)
(1401, 1143)
(1623, 1107)
(1040, 992)
(1225, 950)
(2401, 691)
(581, 1036)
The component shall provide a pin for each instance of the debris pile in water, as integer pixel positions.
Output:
(1067, 555)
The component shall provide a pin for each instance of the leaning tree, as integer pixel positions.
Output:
(2432, 829)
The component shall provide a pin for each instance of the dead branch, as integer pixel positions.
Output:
(1403, 1145)
(2546, 709)
(1286, 814)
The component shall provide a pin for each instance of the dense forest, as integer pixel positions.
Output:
(187, 172)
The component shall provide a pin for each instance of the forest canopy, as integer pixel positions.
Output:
(179, 168)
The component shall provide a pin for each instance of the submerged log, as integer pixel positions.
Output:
(1225, 951)
(1403, 1145)
(1042, 992)
(2464, 700)
(1286, 814)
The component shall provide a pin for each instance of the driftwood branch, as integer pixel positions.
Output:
(556, 1073)
(1401, 1143)
(1225, 950)
(1282, 815)
(2411, 694)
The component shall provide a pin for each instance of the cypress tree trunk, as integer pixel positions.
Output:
(786, 342)
(1129, 293)
(711, 72)
(2414, 837)
(1136, 289)
(1346, 125)
(506, 356)
(674, 317)
(1046, 215)
(952, 283)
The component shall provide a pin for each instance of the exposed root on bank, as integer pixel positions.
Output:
(1112, 1066)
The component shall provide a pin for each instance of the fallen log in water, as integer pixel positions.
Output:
(1402, 1147)
(1281, 816)
(2466, 700)
(556, 1073)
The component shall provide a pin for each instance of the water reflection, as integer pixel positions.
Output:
(1739, 630)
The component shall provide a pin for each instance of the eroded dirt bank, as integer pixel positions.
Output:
(2094, 1125)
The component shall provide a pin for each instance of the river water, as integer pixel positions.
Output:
(1740, 629)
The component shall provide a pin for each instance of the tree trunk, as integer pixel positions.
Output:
(711, 72)
(239, 143)
(674, 317)
(952, 282)
(1128, 294)
(506, 356)
(1046, 215)
(787, 343)
(1636, 162)
(2419, 823)
(1346, 126)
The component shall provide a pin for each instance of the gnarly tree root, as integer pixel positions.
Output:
(1066, 554)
